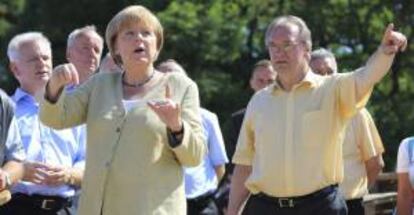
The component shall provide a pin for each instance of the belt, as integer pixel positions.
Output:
(48, 203)
(358, 200)
(354, 202)
(291, 202)
(206, 196)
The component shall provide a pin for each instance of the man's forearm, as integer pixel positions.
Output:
(220, 170)
(15, 170)
(375, 69)
(373, 167)
(75, 176)
(238, 191)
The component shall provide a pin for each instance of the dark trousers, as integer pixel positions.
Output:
(22, 204)
(355, 207)
(202, 205)
(327, 201)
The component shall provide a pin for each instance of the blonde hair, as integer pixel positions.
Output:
(126, 17)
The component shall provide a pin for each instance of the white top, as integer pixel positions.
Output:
(129, 104)
(405, 162)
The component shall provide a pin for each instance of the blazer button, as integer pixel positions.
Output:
(118, 129)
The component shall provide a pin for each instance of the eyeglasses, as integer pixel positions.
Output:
(286, 47)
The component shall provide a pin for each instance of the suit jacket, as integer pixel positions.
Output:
(130, 168)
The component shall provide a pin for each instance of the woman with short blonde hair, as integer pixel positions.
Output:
(142, 125)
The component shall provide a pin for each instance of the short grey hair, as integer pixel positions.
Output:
(170, 65)
(322, 53)
(84, 30)
(304, 32)
(13, 49)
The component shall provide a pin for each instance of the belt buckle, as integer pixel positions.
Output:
(286, 203)
(45, 204)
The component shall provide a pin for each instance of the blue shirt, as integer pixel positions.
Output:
(43, 144)
(202, 178)
(13, 148)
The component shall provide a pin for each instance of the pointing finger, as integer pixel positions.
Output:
(387, 33)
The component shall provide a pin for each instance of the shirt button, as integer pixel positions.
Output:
(118, 129)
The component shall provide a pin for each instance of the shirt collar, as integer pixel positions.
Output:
(309, 81)
(71, 87)
(21, 94)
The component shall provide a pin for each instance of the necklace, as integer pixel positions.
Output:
(139, 84)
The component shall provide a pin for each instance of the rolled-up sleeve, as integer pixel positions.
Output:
(217, 151)
(14, 146)
(80, 157)
(245, 149)
(403, 159)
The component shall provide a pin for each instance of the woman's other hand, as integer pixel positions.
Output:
(168, 111)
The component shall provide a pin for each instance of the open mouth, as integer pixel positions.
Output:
(281, 62)
(42, 73)
(139, 50)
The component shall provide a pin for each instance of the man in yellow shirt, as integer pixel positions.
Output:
(362, 149)
(289, 153)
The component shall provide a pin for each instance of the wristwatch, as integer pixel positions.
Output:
(175, 138)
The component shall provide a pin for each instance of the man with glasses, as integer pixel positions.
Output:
(289, 153)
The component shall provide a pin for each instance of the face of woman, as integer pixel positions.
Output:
(136, 44)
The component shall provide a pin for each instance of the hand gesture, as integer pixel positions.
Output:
(56, 176)
(393, 41)
(34, 172)
(168, 111)
(62, 75)
(40, 173)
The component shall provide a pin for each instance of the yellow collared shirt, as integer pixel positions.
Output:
(293, 140)
(362, 142)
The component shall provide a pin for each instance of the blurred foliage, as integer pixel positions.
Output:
(219, 41)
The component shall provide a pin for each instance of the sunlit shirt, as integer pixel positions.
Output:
(202, 179)
(42, 144)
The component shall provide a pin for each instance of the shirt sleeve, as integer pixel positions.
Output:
(376, 137)
(14, 145)
(79, 160)
(216, 149)
(245, 149)
(403, 161)
(370, 140)
(346, 93)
